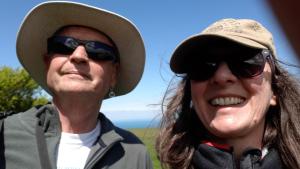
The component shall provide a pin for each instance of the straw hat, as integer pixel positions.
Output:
(44, 19)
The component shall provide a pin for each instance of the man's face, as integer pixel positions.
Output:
(76, 73)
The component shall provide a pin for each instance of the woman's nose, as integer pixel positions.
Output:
(223, 75)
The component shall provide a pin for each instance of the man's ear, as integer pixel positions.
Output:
(115, 74)
(46, 60)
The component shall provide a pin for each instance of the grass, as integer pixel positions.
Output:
(148, 136)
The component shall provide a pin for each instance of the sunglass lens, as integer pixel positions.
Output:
(202, 71)
(250, 67)
(99, 51)
(60, 45)
(96, 50)
(99, 56)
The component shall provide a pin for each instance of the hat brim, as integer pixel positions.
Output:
(45, 19)
(178, 60)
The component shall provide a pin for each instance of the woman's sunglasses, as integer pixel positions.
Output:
(246, 67)
(96, 51)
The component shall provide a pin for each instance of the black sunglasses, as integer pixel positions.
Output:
(245, 67)
(96, 51)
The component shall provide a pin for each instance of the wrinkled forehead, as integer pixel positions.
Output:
(85, 33)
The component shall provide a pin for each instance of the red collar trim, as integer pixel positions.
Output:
(216, 145)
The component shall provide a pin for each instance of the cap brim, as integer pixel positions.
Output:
(178, 60)
(46, 18)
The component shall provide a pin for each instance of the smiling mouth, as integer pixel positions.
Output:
(77, 74)
(226, 101)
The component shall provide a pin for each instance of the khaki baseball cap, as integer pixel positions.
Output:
(46, 18)
(246, 32)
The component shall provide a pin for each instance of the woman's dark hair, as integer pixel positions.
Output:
(181, 129)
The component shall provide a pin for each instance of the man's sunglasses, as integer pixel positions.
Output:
(96, 51)
(246, 67)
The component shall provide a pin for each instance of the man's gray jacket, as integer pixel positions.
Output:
(30, 140)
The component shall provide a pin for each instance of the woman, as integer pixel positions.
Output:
(235, 106)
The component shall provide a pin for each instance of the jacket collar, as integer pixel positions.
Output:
(49, 121)
(206, 156)
(108, 132)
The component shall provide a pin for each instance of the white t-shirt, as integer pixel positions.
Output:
(74, 149)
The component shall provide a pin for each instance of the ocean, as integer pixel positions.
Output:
(129, 124)
(135, 119)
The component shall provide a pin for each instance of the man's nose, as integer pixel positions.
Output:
(79, 55)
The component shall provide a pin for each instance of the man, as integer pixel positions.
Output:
(80, 55)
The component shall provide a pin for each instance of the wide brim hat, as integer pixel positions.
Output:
(245, 32)
(46, 18)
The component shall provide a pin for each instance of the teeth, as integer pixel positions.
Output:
(224, 101)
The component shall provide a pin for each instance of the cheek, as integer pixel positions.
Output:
(103, 72)
(198, 98)
(51, 66)
(54, 64)
(260, 83)
(261, 96)
(259, 87)
(198, 91)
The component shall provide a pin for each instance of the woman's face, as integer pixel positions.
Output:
(231, 107)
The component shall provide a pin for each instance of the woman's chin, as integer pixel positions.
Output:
(227, 131)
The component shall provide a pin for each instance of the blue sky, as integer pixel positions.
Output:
(163, 25)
